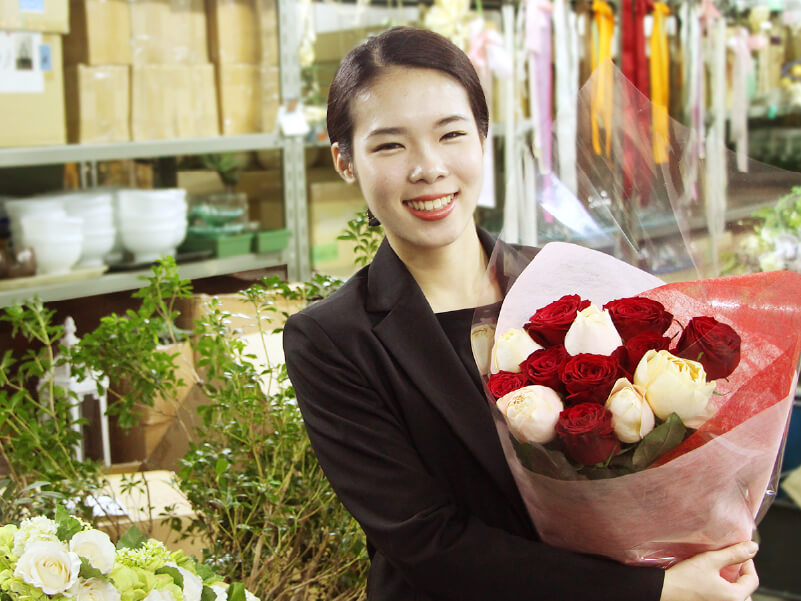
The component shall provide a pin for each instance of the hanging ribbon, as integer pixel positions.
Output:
(741, 44)
(633, 61)
(601, 104)
(540, 77)
(566, 63)
(660, 83)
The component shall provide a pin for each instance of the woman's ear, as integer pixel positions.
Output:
(343, 166)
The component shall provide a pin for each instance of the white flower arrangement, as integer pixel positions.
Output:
(65, 559)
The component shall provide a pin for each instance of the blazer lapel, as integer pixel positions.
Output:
(437, 372)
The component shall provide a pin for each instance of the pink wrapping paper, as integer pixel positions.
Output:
(710, 491)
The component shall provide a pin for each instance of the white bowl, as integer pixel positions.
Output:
(56, 256)
(82, 202)
(18, 207)
(143, 221)
(149, 243)
(96, 245)
(53, 227)
(152, 203)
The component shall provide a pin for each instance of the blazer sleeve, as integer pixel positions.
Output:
(409, 516)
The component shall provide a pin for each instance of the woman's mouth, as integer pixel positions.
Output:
(433, 209)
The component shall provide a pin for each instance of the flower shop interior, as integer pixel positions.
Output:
(142, 378)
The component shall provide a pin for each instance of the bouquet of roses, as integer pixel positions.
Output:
(641, 420)
(66, 558)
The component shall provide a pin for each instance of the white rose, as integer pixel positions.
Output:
(159, 595)
(49, 566)
(193, 585)
(481, 343)
(592, 332)
(220, 591)
(674, 385)
(512, 348)
(96, 547)
(250, 596)
(632, 417)
(34, 529)
(94, 589)
(531, 413)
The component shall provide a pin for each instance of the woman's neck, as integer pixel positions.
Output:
(452, 277)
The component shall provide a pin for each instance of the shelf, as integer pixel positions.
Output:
(116, 282)
(74, 153)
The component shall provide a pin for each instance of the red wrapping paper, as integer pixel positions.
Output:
(712, 489)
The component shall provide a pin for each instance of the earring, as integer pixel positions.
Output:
(372, 220)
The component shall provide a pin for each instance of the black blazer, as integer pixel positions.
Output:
(409, 445)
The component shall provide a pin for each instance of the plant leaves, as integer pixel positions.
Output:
(208, 594)
(236, 592)
(659, 441)
(68, 526)
(132, 539)
(89, 571)
(174, 573)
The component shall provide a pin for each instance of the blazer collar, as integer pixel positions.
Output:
(439, 373)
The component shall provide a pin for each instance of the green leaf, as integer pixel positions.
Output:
(221, 466)
(236, 592)
(208, 594)
(205, 572)
(88, 571)
(132, 539)
(68, 526)
(174, 573)
(659, 441)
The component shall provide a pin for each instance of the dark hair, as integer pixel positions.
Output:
(403, 47)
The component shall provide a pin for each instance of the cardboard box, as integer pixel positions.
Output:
(233, 31)
(140, 499)
(32, 106)
(332, 46)
(98, 103)
(268, 32)
(51, 16)
(270, 97)
(239, 98)
(173, 101)
(100, 33)
(243, 318)
(150, 20)
(187, 42)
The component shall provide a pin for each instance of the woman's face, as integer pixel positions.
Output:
(417, 156)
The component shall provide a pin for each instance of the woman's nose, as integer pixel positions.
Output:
(428, 168)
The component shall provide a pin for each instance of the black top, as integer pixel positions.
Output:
(456, 325)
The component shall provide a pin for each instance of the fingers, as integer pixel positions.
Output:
(734, 554)
(748, 580)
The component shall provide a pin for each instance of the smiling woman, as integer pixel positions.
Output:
(384, 372)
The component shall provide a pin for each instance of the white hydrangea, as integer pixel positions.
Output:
(34, 529)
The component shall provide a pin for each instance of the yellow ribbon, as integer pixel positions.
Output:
(660, 83)
(601, 102)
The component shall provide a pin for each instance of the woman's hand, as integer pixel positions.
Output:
(699, 579)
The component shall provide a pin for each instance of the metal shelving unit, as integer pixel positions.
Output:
(296, 257)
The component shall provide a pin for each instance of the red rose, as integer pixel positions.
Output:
(589, 378)
(504, 382)
(636, 315)
(636, 347)
(715, 345)
(586, 432)
(549, 324)
(544, 366)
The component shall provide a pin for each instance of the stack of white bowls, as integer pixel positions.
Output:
(97, 211)
(57, 240)
(17, 208)
(152, 223)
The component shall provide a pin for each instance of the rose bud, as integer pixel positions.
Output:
(511, 349)
(505, 382)
(636, 315)
(637, 346)
(674, 385)
(592, 332)
(713, 344)
(531, 413)
(632, 417)
(589, 378)
(586, 432)
(544, 366)
(550, 323)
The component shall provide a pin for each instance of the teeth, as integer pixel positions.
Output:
(431, 205)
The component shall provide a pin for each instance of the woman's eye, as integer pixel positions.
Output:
(387, 146)
(453, 134)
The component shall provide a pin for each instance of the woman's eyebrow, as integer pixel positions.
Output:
(396, 131)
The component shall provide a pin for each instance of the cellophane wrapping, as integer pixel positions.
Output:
(711, 490)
